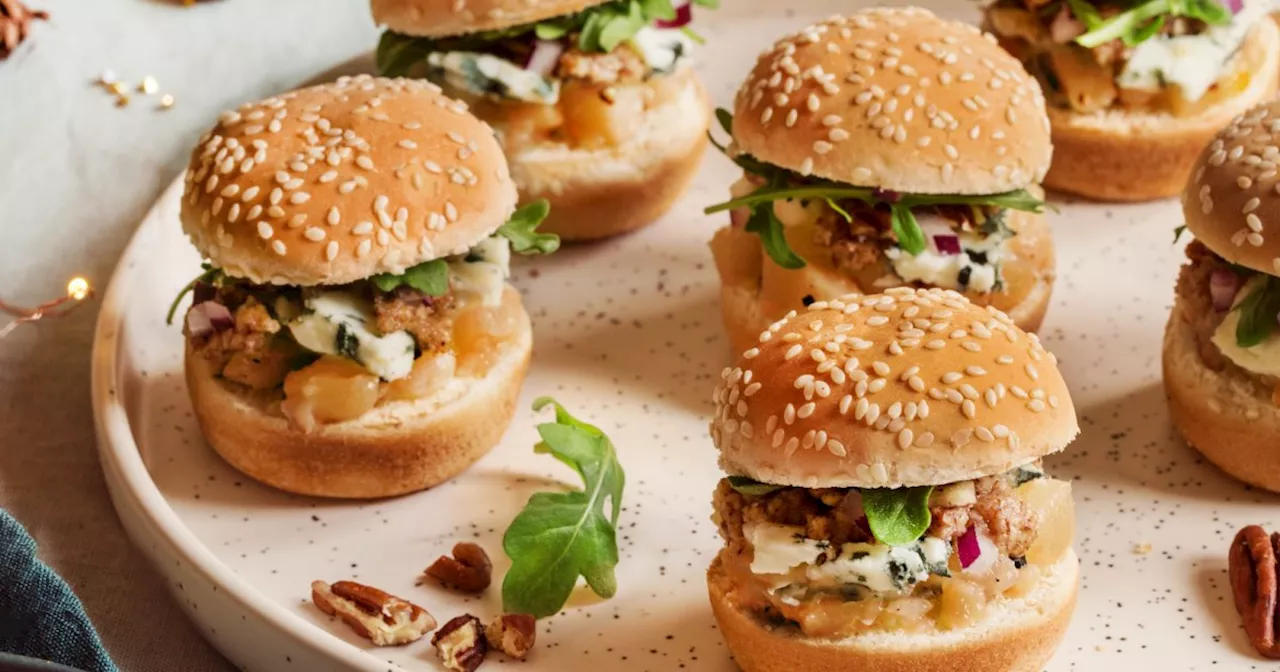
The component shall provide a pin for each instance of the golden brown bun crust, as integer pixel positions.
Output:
(435, 18)
(979, 127)
(1021, 639)
(395, 449)
(411, 177)
(1118, 156)
(601, 193)
(755, 291)
(1231, 422)
(905, 388)
(1230, 205)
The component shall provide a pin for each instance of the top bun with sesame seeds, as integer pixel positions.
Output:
(907, 388)
(896, 98)
(1231, 203)
(336, 183)
(436, 18)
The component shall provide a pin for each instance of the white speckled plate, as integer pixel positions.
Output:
(628, 335)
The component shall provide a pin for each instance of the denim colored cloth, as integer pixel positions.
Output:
(39, 615)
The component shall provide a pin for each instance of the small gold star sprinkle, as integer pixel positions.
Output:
(149, 85)
(116, 88)
(122, 101)
(166, 101)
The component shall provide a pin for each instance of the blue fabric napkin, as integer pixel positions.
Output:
(39, 615)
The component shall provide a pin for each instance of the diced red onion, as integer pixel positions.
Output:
(967, 547)
(947, 244)
(1235, 6)
(938, 231)
(207, 317)
(684, 14)
(1223, 285)
(739, 216)
(544, 57)
(1065, 26)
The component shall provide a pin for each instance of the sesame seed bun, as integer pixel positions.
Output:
(436, 18)
(755, 291)
(335, 183)
(647, 172)
(1226, 416)
(1014, 635)
(1230, 202)
(1131, 156)
(898, 99)
(905, 388)
(396, 448)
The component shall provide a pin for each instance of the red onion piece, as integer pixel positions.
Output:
(947, 244)
(684, 14)
(1223, 285)
(207, 317)
(739, 216)
(544, 57)
(967, 547)
(1065, 27)
(1234, 6)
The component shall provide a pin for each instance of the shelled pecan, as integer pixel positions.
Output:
(1253, 568)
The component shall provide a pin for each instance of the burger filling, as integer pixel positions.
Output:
(331, 353)
(1153, 56)
(1233, 313)
(815, 559)
(577, 79)
(875, 237)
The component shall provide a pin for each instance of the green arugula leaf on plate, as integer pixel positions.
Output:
(430, 278)
(210, 276)
(522, 230)
(897, 516)
(563, 535)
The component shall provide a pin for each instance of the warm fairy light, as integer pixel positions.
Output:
(78, 288)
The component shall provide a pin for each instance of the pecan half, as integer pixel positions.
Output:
(382, 618)
(512, 634)
(460, 643)
(469, 570)
(1253, 568)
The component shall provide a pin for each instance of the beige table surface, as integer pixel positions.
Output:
(76, 176)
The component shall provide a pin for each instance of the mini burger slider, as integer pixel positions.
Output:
(886, 508)
(1136, 88)
(884, 149)
(353, 334)
(1222, 343)
(596, 103)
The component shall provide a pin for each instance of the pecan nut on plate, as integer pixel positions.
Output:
(1253, 569)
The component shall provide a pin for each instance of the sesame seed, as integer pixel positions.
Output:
(298, 198)
(297, 220)
(278, 247)
(313, 234)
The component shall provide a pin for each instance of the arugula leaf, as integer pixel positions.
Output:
(997, 224)
(709, 4)
(907, 229)
(751, 487)
(897, 516)
(1258, 313)
(765, 223)
(1177, 233)
(1143, 20)
(521, 230)
(563, 535)
(209, 276)
(430, 278)
(397, 54)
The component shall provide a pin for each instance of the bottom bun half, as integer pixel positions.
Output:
(1230, 420)
(1016, 635)
(1120, 156)
(599, 193)
(397, 448)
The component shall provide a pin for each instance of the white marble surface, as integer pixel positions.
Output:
(76, 176)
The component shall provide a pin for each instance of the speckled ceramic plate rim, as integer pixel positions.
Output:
(129, 482)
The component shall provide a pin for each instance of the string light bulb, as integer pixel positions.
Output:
(78, 290)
